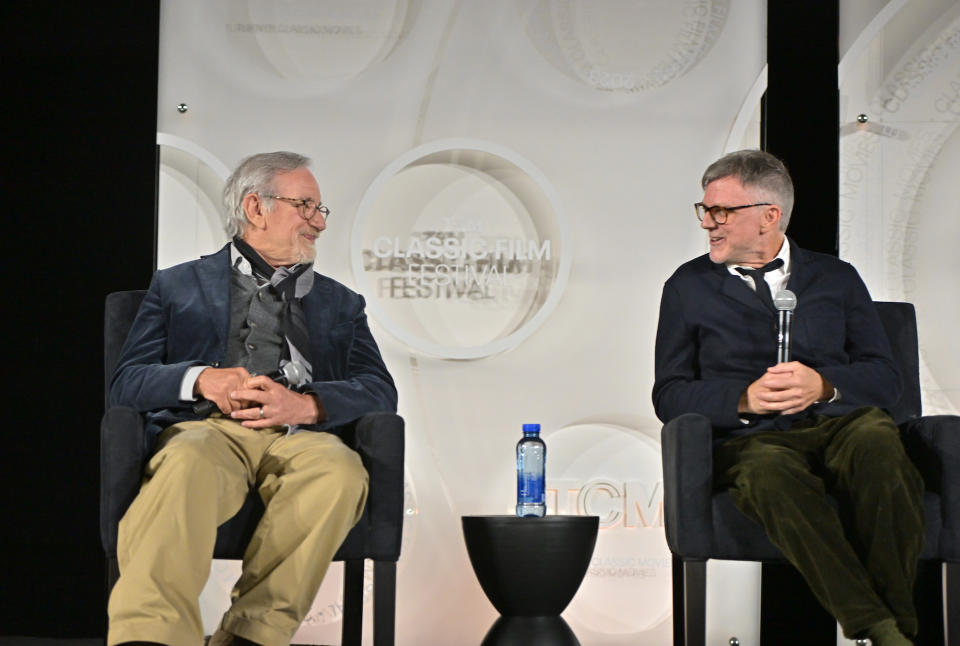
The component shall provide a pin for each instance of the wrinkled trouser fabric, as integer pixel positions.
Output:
(313, 487)
(780, 479)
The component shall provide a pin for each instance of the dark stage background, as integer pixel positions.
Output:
(80, 129)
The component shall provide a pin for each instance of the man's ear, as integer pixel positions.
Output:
(770, 219)
(253, 208)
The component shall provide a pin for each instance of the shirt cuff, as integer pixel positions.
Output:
(188, 382)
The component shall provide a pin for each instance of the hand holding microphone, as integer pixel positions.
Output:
(788, 386)
(270, 404)
(289, 374)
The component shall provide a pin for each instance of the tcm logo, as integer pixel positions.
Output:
(632, 503)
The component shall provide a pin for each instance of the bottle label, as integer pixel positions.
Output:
(530, 489)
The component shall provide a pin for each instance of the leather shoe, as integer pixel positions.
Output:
(223, 638)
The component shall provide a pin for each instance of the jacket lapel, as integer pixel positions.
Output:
(803, 273)
(316, 307)
(213, 272)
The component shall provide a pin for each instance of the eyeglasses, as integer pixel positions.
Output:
(721, 213)
(305, 206)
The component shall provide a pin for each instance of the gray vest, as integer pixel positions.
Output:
(256, 340)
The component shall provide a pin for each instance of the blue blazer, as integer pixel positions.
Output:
(184, 321)
(715, 337)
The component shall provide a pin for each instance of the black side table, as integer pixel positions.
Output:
(530, 569)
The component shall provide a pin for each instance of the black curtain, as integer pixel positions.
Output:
(800, 125)
(801, 113)
(80, 106)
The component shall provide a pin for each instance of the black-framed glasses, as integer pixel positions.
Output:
(721, 213)
(305, 206)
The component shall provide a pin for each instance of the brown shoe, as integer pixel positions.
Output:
(223, 638)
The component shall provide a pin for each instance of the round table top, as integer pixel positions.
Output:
(494, 519)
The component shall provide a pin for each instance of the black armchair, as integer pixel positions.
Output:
(702, 523)
(378, 438)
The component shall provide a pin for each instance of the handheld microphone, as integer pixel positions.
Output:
(289, 374)
(785, 301)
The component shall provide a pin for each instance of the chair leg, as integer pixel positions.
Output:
(952, 603)
(676, 571)
(352, 631)
(384, 602)
(695, 602)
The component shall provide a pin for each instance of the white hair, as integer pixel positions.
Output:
(255, 174)
(759, 170)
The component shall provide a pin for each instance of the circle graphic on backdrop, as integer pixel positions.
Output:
(929, 255)
(615, 473)
(189, 205)
(897, 187)
(624, 46)
(461, 248)
(296, 47)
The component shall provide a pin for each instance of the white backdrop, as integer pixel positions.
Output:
(580, 127)
(899, 195)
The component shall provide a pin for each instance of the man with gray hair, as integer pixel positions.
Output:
(208, 334)
(785, 433)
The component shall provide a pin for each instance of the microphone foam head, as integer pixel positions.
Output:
(295, 373)
(785, 300)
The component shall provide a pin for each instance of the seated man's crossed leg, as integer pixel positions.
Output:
(864, 578)
(313, 487)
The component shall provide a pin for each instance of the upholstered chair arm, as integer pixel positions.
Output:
(379, 439)
(122, 454)
(687, 448)
(933, 443)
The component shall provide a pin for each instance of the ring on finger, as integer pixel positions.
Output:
(261, 412)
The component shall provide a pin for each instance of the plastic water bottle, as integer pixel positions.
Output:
(531, 462)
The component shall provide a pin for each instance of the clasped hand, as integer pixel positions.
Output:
(258, 402)
(785, 388)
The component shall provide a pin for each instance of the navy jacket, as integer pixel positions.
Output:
(715, 337)
(184, 321)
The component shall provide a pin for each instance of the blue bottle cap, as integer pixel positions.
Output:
(531, 427)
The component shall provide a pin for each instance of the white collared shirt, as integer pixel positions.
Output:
(776, 278)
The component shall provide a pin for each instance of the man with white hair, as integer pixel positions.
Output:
(787, 433)
(213, 329)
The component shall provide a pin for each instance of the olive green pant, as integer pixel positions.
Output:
(780, 479)
(314, 488)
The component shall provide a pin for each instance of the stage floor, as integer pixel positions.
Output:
(49, 641)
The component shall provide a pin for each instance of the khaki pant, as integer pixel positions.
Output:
(860, 561)
(314, 488)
